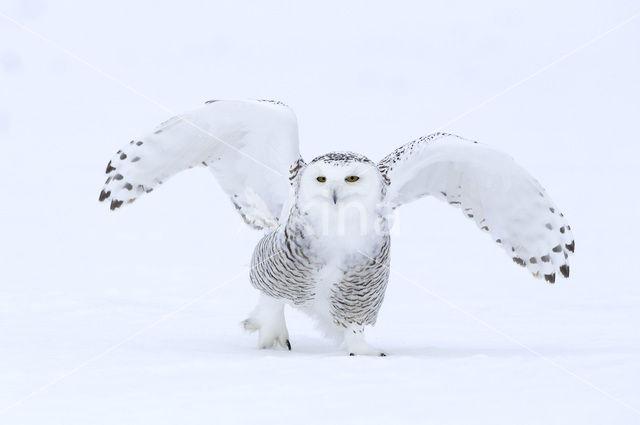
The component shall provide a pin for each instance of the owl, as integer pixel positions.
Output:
(326, 223)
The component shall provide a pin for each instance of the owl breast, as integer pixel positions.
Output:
(338, 277)
(358, 283)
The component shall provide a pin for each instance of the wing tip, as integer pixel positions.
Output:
(115, 204)
(536, 266)
(104, 195)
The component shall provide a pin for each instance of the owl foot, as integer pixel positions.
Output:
(269, 337)
(268, 319)
(357, 346)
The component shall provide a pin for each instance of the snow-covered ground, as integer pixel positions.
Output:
(133, 317)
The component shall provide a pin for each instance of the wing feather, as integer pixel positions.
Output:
(249, 146)
(491, 189)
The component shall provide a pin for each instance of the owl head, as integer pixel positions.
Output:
(340, 178)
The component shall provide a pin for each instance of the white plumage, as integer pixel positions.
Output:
(490, 188)
(248, 146)
(326, 246)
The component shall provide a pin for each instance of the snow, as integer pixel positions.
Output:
(133, 317)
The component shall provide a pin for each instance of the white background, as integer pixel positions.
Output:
(471, 337)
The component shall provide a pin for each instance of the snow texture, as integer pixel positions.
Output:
(134, 317)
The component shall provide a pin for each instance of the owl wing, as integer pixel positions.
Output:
(491, 189)
(251, 147)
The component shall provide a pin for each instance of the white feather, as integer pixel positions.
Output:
(248, 145)
(490, 188)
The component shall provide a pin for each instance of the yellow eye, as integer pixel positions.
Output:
(322, 179)
(352, 179)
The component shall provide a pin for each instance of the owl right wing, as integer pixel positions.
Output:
(490, 188)
(251, 147)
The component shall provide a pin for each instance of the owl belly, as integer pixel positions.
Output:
(350, 285)
(336, 277)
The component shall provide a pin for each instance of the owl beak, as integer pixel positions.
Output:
(334, 196)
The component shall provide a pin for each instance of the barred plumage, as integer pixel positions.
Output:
(281, 269)
(285, 266)
(357, 297)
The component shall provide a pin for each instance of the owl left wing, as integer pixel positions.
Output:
(491, 189)
(251, 147)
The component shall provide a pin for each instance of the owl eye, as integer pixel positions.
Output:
(352, 179)
(322, 179)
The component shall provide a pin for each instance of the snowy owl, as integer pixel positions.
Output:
(326, 244)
